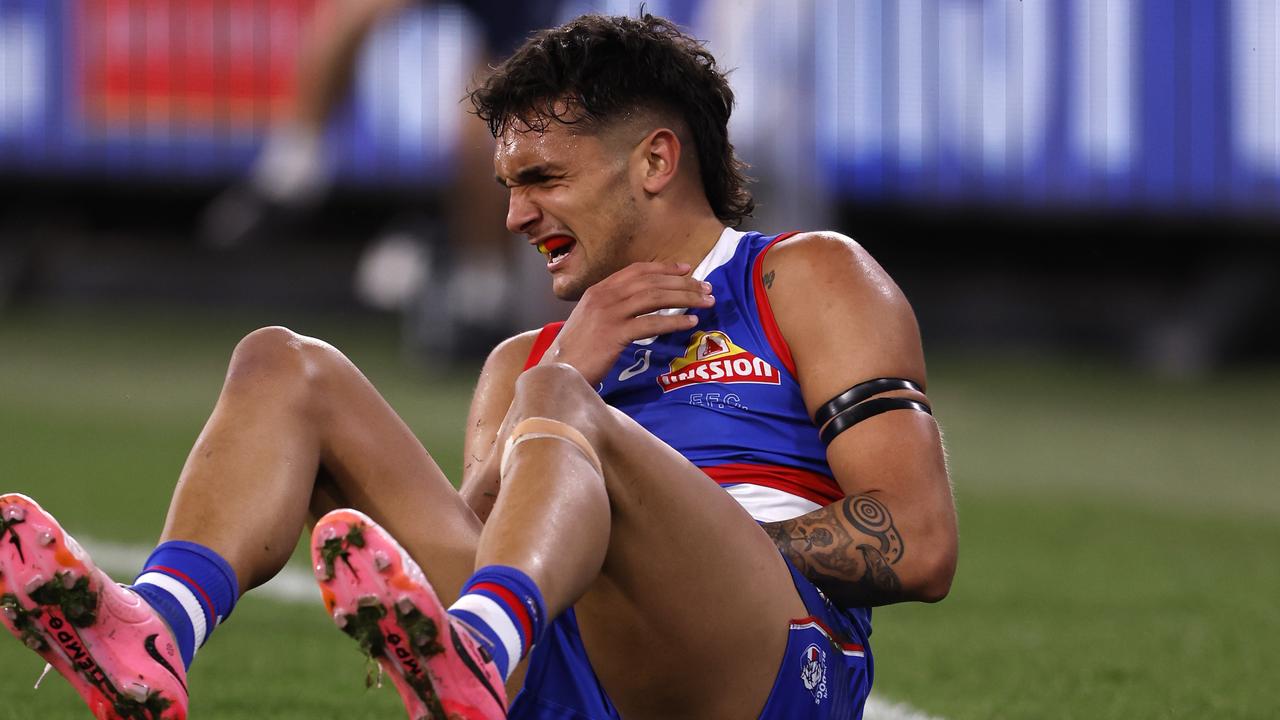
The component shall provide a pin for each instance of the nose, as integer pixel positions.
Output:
(522, 213)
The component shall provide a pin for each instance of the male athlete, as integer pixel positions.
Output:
(677, 512)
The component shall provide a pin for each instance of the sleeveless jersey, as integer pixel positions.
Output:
(725, 394)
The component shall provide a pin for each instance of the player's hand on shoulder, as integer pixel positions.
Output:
(620, 309)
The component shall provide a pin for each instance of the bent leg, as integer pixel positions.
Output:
(683, 602)
(298, 427)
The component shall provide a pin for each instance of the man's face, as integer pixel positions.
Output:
(571, 196)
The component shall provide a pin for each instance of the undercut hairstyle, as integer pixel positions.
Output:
(598, 69)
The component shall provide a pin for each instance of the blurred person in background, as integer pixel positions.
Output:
(471, 305)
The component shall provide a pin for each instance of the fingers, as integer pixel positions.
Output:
(643, 288)
(656, 268)
(654, 299)
(623, 307)
(654, 325)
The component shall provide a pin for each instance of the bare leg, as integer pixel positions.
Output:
(683, 601)
(489, 296)
(477, 206)
(292, 171)
(328, 61)
(295, 412)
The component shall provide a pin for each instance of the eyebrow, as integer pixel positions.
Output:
(524, 175)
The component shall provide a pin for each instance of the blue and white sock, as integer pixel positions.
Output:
(505, 606)
(192, 588)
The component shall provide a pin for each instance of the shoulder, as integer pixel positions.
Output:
(835, 304)
(510, 355)
(828, 267)
(827, 254)
(496, 384)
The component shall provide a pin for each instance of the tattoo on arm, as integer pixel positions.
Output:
(847, 549)
(768, 279)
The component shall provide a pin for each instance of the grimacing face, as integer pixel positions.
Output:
(571, 195)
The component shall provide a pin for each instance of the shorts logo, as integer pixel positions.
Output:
(711, 357)
(814, 673)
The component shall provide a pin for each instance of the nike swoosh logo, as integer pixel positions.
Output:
(639, 366)
(154, 652)
(471, 665)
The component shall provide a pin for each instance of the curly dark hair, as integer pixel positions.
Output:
(597, 68)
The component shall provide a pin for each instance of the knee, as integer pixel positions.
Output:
(556, 381)
(560, 392)
(279, 359)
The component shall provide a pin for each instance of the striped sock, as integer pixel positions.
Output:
(192, 588)
(505, 607)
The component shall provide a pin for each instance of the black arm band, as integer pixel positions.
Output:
(857, 394)
(864, 410)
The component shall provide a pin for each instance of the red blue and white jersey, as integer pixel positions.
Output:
(725, 394)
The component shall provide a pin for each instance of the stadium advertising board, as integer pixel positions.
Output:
(1116, 103)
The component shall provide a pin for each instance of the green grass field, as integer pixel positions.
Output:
(1119, 535)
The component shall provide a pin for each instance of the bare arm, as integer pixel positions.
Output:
(893, 537)
(494, 392)
(611, 314)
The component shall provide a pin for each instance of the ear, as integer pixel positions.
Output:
(659, 156)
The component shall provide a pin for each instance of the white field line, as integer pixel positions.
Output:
(294, 585)
(878, 709)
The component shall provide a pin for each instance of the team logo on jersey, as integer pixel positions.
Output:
(638, 367)
(713, 358)
(814, 672)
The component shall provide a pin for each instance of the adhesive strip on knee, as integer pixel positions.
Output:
(538, 428)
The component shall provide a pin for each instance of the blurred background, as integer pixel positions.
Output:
(1081, 198)
(1099, 175)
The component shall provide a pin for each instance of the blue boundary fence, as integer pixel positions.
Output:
(1126, 104)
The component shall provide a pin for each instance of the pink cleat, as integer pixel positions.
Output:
(378, 595)
(104, 639)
